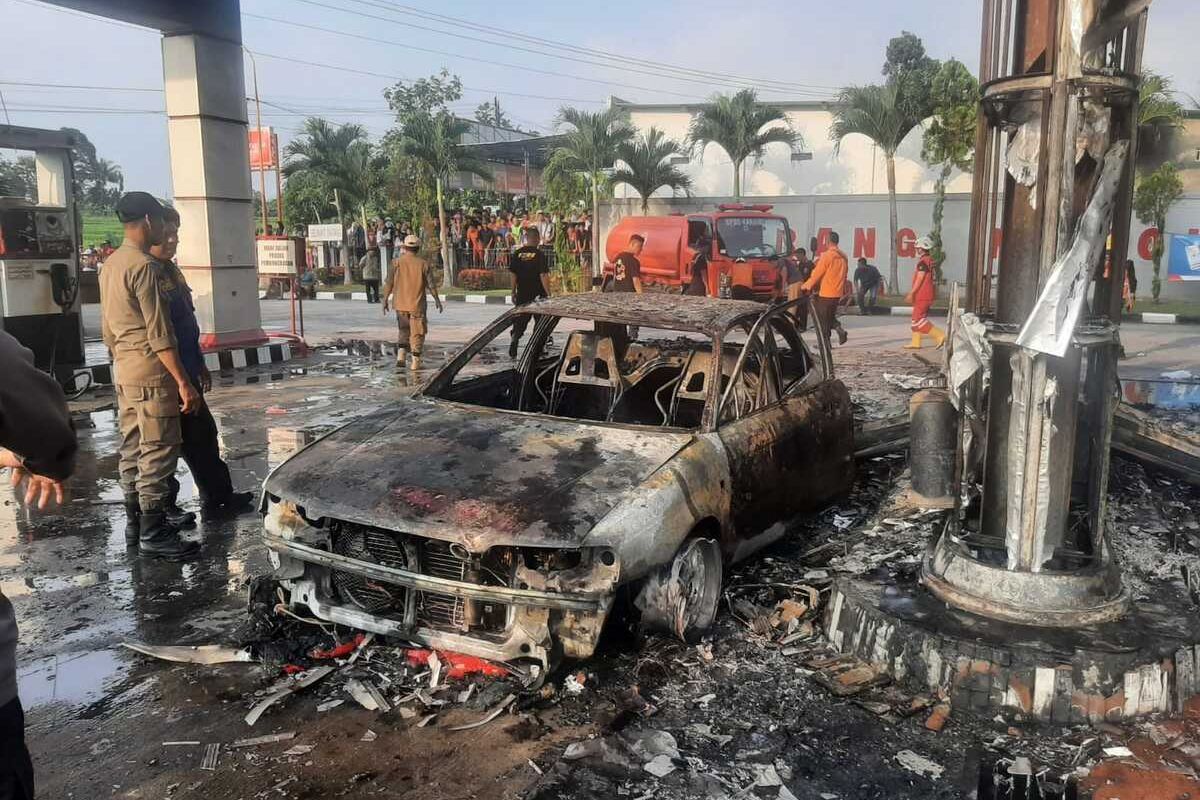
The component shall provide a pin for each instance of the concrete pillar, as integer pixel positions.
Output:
(210, 171)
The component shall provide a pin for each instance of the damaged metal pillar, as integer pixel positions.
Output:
(1053, 178)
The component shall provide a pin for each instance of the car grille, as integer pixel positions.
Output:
(431, 557)
(441, 611)
(367, 544)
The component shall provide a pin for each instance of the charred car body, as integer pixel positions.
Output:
(498, 511)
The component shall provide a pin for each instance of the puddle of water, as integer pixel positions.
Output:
(1162, 393)
(71, 678)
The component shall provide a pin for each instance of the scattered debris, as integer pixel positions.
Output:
(270, 738)
(308, 679)
(495, 712)
(659, 766)
(1118, 752)
(367, 695)
(212, 753)
(299, 750)
(919, 764)
(369, 736)
(937, 719)
(199, 654)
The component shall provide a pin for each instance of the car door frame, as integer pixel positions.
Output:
(769, 472)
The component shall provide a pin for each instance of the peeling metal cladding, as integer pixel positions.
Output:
(651, 522)
(473, 475)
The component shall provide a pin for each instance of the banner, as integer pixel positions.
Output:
(263, 156)
(1183, 258)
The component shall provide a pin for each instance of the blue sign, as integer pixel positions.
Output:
(1183, 258)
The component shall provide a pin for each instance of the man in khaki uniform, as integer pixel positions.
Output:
(405, 289)
(152, 385)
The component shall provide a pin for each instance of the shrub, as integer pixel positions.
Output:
(475, 279)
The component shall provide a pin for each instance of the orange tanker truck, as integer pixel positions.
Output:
(745, 247)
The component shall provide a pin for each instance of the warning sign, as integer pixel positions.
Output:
(280, 255)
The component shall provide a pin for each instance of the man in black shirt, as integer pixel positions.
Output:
(866, 284)
(627, 270)
(530, 281)
(699, 285)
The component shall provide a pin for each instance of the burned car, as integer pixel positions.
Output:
(636, 443)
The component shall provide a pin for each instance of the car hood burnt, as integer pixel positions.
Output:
(472, 475)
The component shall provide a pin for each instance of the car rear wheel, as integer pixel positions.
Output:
(682, 597)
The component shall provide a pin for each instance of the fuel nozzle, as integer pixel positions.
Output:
(63, 286)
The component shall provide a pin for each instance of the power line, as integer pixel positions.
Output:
(709, 82)
(92, 17)
(681, 73)
(392, 77)
(38, 85)
(449, 54)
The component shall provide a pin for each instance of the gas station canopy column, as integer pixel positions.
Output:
(210, 169)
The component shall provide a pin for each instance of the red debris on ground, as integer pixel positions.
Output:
(1162, 766)
(341, 651)
(458, 665)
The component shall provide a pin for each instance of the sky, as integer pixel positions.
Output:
(800, 49)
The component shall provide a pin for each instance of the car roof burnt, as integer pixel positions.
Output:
(671, 311)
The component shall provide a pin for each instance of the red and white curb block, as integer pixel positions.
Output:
(1146, 317)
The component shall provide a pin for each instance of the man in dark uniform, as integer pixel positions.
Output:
(531, 280)
(37, 445)
(152, 387)
(201, 449)
(698, 286)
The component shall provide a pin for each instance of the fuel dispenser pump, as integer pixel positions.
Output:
(39, 256)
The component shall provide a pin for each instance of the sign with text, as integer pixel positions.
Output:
(264, 149)
(280, 255)
(1183, 258)
(328, 232)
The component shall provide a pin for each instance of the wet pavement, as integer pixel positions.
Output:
(98, 714)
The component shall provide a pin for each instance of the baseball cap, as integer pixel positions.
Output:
(135, 205)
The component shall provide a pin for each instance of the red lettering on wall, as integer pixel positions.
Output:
(864, 242)
(823, 239)
(905, 237)
(1145, 246)
(1193, 231)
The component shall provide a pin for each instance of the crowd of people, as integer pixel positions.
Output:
(486, 239)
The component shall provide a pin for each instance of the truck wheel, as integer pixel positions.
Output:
(681, 598)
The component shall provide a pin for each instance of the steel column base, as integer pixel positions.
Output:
(1047, 599)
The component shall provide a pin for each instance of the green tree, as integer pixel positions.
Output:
(492, 114)
(306, 201)
(322, 153)
(433, 142)
(99, 182)
(424, 96)
(589, 146)
(911, 71)
(949, 141)
(1153, 198)
(877, 113)
(742, 127)
(1158, 110)
(18, 178)
(647, 168)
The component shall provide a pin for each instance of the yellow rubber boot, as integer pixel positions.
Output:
(915, 344)
(939, 336)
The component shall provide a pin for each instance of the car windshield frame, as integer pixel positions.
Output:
(722, 237)
(540, 328)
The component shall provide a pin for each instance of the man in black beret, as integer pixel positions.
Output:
(152, 385)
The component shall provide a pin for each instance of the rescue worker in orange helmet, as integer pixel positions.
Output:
(921, 297)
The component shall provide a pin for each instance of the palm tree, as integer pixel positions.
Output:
(646, 168)
(433, 142)
(874, 112)
(321, 152)
(589, 147)
(738, 124)
(1157, 107)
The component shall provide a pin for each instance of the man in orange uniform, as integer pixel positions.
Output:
(830, 275)
(922, 296)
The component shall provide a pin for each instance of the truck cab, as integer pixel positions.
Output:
(746, 246)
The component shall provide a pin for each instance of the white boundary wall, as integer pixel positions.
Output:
(862, 224)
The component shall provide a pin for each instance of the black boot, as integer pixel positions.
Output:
(231, 506)
(179, 517)
(133, 519)
(160, 539)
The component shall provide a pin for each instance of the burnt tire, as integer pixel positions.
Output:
(681, 598)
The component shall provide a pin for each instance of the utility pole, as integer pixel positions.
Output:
(262, 175)
(496, 107)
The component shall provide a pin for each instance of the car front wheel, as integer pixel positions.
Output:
(681, 597)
